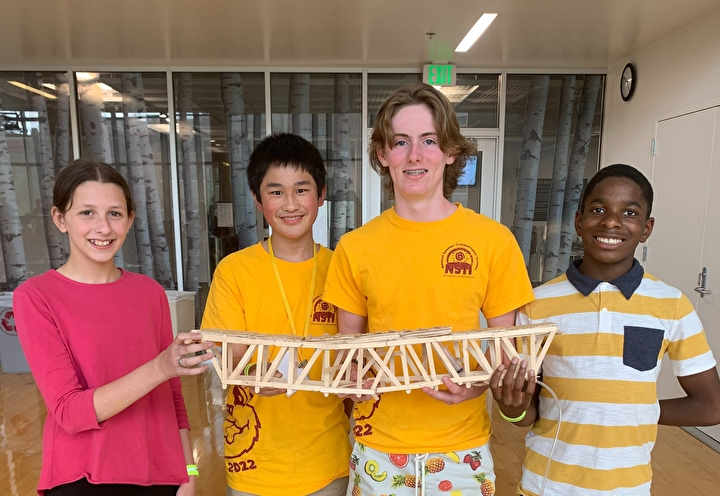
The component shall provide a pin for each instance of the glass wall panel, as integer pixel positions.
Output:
(326, 109)
(35, 143)
(381, 86)
(552, 147)
(475, 99)
(123, 121)
(220, 118)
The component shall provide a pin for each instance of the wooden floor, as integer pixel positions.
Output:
(681, 463)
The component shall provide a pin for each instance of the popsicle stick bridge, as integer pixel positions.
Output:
(370, 364)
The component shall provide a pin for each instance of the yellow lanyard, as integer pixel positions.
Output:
(308, 317)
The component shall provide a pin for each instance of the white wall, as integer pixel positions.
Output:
(676, 74)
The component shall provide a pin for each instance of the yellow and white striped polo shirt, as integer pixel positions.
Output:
(603, 368)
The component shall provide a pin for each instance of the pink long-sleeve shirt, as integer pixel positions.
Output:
(77, 337)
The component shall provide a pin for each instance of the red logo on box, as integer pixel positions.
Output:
(7, 322)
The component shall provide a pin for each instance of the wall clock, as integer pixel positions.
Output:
(627, 82)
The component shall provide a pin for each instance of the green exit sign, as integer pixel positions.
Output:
(439, 74)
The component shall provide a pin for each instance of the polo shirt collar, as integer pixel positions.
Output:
(626, 283)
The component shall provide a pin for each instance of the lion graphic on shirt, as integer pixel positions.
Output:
(242, 425)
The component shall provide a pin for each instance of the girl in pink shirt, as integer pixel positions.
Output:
(100, 346)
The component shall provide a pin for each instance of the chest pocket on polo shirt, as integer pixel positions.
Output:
(641, 347)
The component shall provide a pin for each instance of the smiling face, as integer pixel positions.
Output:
(414, 160)
(614, 221)
(96, 222)
(289, 200)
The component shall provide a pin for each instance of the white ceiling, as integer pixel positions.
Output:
(527, 34)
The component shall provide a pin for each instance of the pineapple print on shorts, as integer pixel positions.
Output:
(434, 465)
(400, 480)
(356, 491)
(487, 488)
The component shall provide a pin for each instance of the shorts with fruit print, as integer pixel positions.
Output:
(455, 473)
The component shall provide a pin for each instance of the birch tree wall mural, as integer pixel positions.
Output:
(559, 178)
(239, 149)
(188, 159)
(46, 162)
(97, 145)
(530, 162)
(11, 241)
(133, 88)
(90, 103)
(119, 129)
(136, 176)
(32, 108)
(551, 136)
(576, 172)
(552, 123)
(343, 195)
(301, 118)
(326, 109)
(63, 141)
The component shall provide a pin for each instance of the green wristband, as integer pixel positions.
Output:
(513, 420)
(247, 368)
(193, 470)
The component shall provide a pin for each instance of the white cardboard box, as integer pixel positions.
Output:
(182, 310)
(12, 357)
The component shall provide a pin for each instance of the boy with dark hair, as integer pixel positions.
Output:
(616, 323)
(277, 445)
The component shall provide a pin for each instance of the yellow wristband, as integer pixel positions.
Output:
(193, 470)
(247, 368)
(513, 420)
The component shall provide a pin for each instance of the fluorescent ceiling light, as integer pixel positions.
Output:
(457, 94)
(34, 90)
(160, 128)
(86, 76)
(165, 128)
(475, 32)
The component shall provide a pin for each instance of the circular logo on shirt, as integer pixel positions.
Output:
(459, 260)
(323, 313)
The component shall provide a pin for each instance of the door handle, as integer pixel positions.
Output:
(702, 283)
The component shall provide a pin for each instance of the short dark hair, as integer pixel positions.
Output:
(82, 170)
(450, 139)
(620, 170)
(285, 150)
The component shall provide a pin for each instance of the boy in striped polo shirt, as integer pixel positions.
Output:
(617, 322)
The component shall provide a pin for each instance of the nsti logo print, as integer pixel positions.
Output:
(323, 312)
(459, 260)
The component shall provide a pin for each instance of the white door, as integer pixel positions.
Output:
(708, 306)
(679, 246)
(477, 187)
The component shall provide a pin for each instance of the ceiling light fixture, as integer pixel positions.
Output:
(479, 28)
(86, 76)
(456, 94)
(34, 90)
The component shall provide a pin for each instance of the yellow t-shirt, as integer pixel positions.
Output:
(277, 446)
(409, 275)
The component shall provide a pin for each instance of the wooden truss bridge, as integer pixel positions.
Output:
(370, 364)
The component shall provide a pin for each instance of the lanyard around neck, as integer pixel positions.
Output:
(308, 316)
